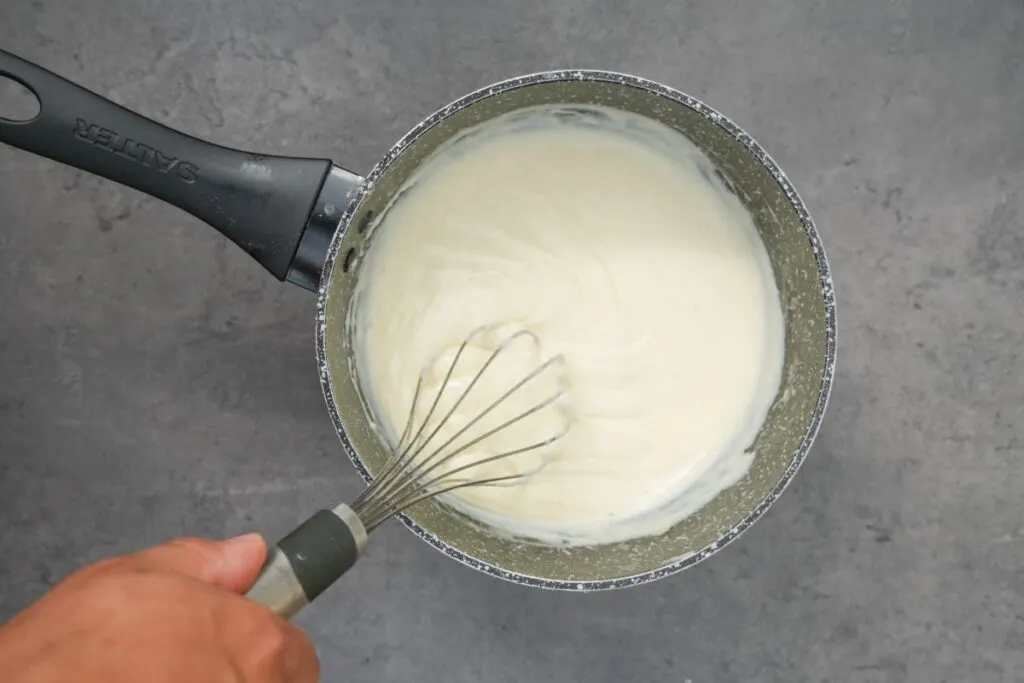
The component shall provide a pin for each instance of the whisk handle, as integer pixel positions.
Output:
(309, 559)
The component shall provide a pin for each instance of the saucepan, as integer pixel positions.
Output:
(309, 222)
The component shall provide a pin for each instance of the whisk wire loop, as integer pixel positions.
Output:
(415, 474)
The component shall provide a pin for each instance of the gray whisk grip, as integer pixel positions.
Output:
(308, 560)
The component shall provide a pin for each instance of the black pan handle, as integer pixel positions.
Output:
(261, 203)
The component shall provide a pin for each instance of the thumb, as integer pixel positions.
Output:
(232, 565)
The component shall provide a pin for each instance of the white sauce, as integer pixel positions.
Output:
(609, 237)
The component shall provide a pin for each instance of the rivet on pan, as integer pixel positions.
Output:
(725, 181)
(350, 258)
(365, 222)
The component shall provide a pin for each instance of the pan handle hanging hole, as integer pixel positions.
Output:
(350, 259)
(18, 103)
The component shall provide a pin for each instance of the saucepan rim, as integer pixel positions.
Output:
(824, 276)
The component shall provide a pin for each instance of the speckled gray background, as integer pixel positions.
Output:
(154, 382)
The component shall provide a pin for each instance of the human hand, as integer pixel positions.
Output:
(169, 614)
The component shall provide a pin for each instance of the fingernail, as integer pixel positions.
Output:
(245, 539)
(245, 550)
(240, 560)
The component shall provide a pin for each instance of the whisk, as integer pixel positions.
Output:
(435, 454)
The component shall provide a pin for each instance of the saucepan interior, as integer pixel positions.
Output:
(804, 285)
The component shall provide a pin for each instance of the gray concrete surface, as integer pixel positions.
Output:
(154, 382)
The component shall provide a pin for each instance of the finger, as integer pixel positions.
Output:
(233, 564)
(300, 663)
